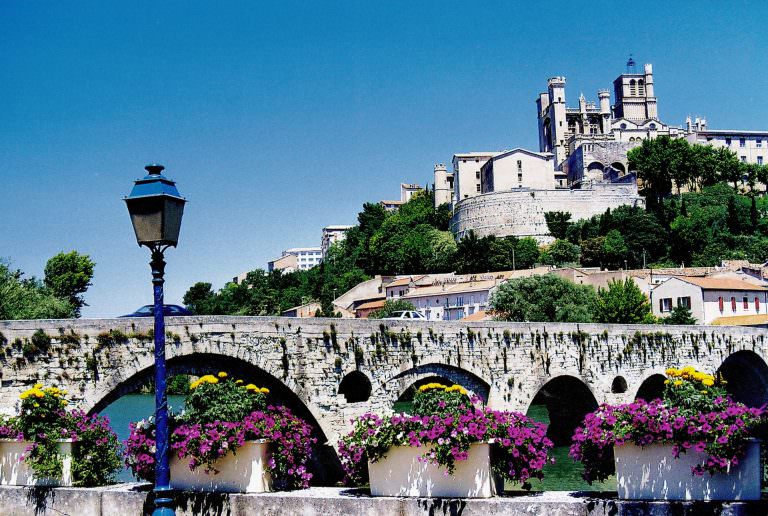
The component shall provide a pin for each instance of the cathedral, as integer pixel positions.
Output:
(581, 164)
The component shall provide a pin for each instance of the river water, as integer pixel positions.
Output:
(564, 475)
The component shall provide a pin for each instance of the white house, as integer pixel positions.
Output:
(713, 300)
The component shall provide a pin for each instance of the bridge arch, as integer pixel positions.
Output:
(567, 400)
(747, 376)
(652, 387)
(454, 374)
(326, 465)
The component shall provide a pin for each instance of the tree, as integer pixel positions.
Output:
(545, 298)
(558, 223)
(27, 298)
(680, 315)
(562, 252)
(390, 307)
(526, 253)
(622, 302)
(200, 299)
(68, 276)
(614, 249)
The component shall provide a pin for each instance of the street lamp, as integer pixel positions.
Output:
(156, 208)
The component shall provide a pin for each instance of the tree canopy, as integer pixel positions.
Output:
(544, 298)
(68, 276)
(622, 302)
(29, 298)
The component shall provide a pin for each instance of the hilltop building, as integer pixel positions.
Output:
(406, 192)
(581, 165)
(331, 235)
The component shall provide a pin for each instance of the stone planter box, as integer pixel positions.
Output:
(244, 471)
(16, 472)
(652, 473)
(401, 473)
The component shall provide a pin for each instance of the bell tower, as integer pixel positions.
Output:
(634, 94)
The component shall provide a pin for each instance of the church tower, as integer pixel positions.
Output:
(634, 95)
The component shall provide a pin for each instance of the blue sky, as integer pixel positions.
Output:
(277, 118)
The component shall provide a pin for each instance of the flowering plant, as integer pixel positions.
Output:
(43, 419)
(446, 421)
(219, 416)
(694, 413)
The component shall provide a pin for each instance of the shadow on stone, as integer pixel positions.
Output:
(40, 497)
(444, 506)
(210, 504)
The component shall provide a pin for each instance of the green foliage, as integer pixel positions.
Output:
(28, 298)
(68, 276)
(178, 384)
(680, 315)
(561, 252)
(622, 302)
(219, 398)
(390, 307)
(543, 298)
(558, 223)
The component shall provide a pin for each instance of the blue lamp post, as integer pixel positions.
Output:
(156, 208)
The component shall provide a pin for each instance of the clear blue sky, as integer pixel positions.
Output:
(279, 118)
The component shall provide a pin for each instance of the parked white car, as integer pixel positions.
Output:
(405, 314)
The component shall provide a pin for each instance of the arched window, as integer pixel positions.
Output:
(355, 387)
(640, 88)
(623, 125)
(632, 87)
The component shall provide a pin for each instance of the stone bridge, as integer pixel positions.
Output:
(330, 370)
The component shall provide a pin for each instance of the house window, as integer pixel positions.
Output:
(759, 160)
(733, 304)
(665, 304)
(685, 302)
(519, 165)
(478, 187)
(727, 141)
(743, 159)
(742, 142)
(746, 303)
(720, 303)
(477, 174)
(519, 177)
(758, 143)
(459, 301)
(757, 304)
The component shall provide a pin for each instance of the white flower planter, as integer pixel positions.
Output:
(16, 472)
(244, 471)
(652, 473)
(401, 473)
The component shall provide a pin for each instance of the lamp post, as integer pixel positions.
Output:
(156, 208)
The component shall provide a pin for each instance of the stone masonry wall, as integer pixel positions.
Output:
(98, 360)
(521, 212)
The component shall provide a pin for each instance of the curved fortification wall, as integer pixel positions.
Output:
(521, 212)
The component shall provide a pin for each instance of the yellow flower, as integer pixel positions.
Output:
(222, 374)
(64, 402)
(38, 386)
(238, 382)
(39, 394)
(703, 392)
(36, 405)
(251, 387)
(264, 390)
(708, 382)
(671, 371)
(666, 382)
(678, 383)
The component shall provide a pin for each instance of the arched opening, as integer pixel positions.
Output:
(619, 385)
(562, 403)
(123, 404)
(651, 388)
(409, 381)
(632, 87)
(747, 377)
(640, 88)
(355, 387)
(619, 167)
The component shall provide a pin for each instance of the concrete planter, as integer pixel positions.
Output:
(652, 473)
(243, 471)
(15, 472)
(401, 473)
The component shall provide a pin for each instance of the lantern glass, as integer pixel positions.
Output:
(156, 220)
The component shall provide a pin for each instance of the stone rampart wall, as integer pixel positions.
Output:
(521, 212)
